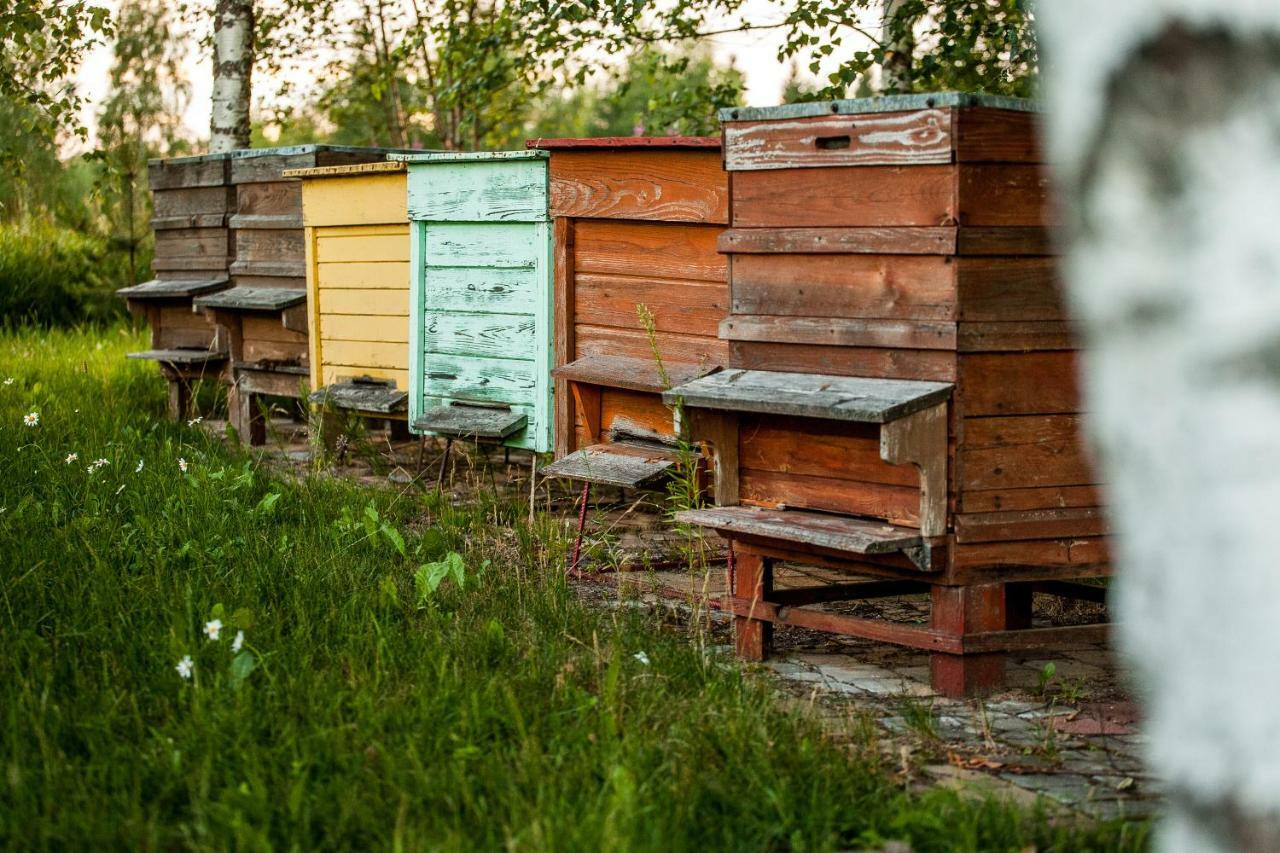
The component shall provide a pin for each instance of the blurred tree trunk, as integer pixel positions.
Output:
(232, 75)
(897, 24)
(1162, 127)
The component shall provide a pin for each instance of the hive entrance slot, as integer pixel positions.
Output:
(833, 143)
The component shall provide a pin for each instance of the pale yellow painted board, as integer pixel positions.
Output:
(361, 247)
(348, 327)
(314, 346)
(377, 274)
(367, 354)
(359, 199)
(365, 302)
(338, 372)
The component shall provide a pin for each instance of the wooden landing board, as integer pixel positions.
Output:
(471, 422)
(179, 356)
(632, 374)
(254, 299)
(362, 396)
(614, 464)
(161, 288)
(812, 395)
(814, 529)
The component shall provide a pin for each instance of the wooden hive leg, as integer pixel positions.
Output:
(752, 582)
(179, 396)
(328, 427)
(245, 416)
(961, 610)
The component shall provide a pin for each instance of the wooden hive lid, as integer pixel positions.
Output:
(880, 104)
(353, 170)
(437, 157)
(162, 288)
(625, 143)
(254, 298)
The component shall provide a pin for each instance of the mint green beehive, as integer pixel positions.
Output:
(480, 299)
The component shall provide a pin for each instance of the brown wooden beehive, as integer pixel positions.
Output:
(263, 315)
(901, 400)
(640, 293)
(192, 200)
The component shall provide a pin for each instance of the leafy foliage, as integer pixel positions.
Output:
(52, 275)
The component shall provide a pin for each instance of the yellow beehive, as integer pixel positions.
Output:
(357, 245)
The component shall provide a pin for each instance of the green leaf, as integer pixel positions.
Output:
(267, 505)
(242, 665)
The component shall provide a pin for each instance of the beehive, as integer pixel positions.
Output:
(480, 303)
(901, 399)
(264, 314)
(638, 280)
(357, 242)
(192, 200)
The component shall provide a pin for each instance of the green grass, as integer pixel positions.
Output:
(366, 710)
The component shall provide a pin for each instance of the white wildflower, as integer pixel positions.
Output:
(238, 643)
(213, 629)
(32, 419)
(138, 469)
(72, 457)
(97, 464)
(121, 489)
(642, 657)
(8, 381)
(182, 465)
(195, 421)
(186, 666)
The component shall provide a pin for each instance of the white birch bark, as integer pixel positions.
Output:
(1164, 123)
(232, 75)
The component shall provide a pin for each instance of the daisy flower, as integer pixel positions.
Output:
(72, 457)
(213, 629)
(195, 421)
(186, 666)
(96, 464)
(32, 419)
(8, 381)
(182, 465)
(138, 469)
(642, 657)
(238, 643)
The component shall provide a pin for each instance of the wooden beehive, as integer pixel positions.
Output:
(192, 200)
(264, 314)
(636, 221)
(901, 400)
(356, 224)
(480, 301)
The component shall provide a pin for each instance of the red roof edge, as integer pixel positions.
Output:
(707, 142)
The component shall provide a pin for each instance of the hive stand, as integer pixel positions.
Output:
(636, 222)
(480, 298)
(880, 251)
(356, 230)
(264, 314)
(192, 198)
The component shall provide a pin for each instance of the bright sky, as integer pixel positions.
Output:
(755, 54)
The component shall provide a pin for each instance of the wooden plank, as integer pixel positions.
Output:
(475, 244)
(991, 500)
(331, 373)
(256, 350)
(688, 307)
(272, 198)
(636, 374)
(265, 327)
(622, 465)
(658, 250)
(878, 630)
(563, 320)
(1030, 560)
(819, 448)
(188, 172)
(985, 135)
(179, 356)
(253, 298)
(364, 274)
(485, 380)
(836, 533)
(929, 365)
(374, 244)
(476, 289)
(270, 249)
(895, 504)
(210, 243)
(188, 220)
(998, 289)
(177, 325)
(1004, 195)
(1027, 336)
(347, 327)
(364, 199)
(627, 414)
(844, 398)
(362, 396)
(168, 288)
(364, 354)
(697, 350)
(840, 331)
(850, 197)
(938, 240)
(906, 287)
(1007, 526)
(1018, 384)
(1022, 452)
(479, 191)
(495, 335)
(471, 422)
(916, 137)
(361, 302)
(982, 240)
(664, 185)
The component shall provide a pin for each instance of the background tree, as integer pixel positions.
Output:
(233, 51)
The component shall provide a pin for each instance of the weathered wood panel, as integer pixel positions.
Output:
(995, 289)
(1016, 525)
(1018, 384)
(819, 448)
(935, 365)
(918, 137)
(1022, 452)
(498, 191)
(1016, 336)
(270, 252)
(217, 199)
(669, 186)
(382, 354)
(686, 252)
(257, 350)
(176, 326)
(1004, 560)
(865, 196)
(809, 529)
(268, 328)
(361, 302)
(909, 287)
(992, 500)
(368, 274)
(479, 289)
(894, 504)
(625, 343)
(275, 198)
(840, 331)
(485, 380)
(331, 372)
(997, 136)
(1004, 195)
(634, 413)
(940, 240)
(482, 244)
(363, 245)
(496, 335)
(688, 307)
(188, 172)
(345, 327)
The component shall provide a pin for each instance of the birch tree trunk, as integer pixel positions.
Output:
(232, 75)
(1165, 128)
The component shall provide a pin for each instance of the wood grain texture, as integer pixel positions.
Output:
(1016, 525)
(489, 245)
(939, 240)
(275, 198)
(1077, 556)
(492, 335)
(373, 199)
(997, 136)
(370, 243)
(997, 289)
(217, 200)
(664, 185)
(1018, 384)
(1004, 195)
(818, 448)
(608, 341)
(871, 286)
(614, 465)
(866, 196)
(1017, 240)
(1015, 336)
(685, 307)
(917, 137)
(992, 500)
(182, 172)
(840, 332)
(483, 290)
(659, 250)
(933, 365)
(1022, 452)
(805, 528)
(564, 298)
(480, 191)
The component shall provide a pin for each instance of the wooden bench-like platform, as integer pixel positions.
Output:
(362, 395)
(846, 534)
(615, 464)
(631, 374)
(474, 422)
(253, 299)
(163, 288)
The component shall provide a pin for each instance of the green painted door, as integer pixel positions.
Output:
(481, 297)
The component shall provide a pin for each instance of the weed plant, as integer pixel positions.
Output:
(202, 653)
